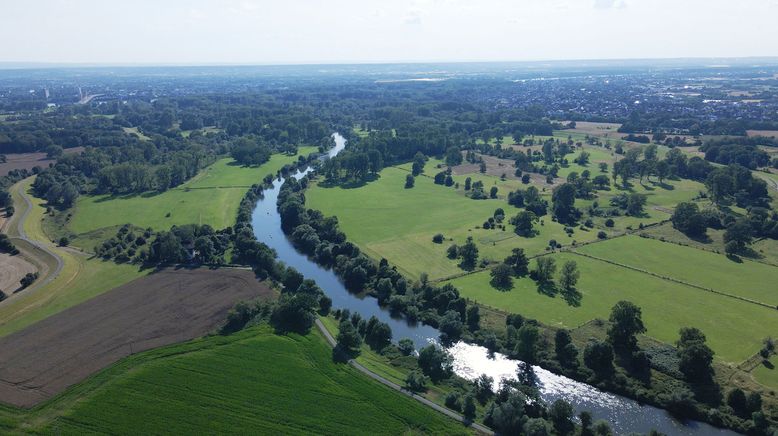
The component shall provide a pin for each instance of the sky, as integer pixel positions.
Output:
(367, 31)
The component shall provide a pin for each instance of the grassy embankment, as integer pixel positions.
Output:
(252, 381)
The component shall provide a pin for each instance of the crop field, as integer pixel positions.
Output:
(752, 280)
(170, 306)
(249, 382)
(386, 220)
(12, 269)
(734, 328)
(212, 197)
(18, 161)
(768, 133)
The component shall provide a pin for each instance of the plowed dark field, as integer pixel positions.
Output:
(160, 309)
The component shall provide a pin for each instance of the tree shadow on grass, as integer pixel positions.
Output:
(734, 258)
(647, 187)
(572, 297)
(767, 364)
(502, 287)
(702, 239)
(129, 196)
(349, 184)
(750, 253)
(548, 288)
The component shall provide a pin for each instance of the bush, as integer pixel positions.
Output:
(406, 347)
(609, 222)
(28, 279)
(8, 246)
(438, 238)
(416, 381)
(601, 235)
(454, 401)
(64, 241)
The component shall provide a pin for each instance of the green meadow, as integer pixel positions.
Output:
(734, 328)
(767, 373)
(212, 197)
(387, 220)
(752, 280)
(247, 383)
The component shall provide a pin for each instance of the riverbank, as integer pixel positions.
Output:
(627, 415)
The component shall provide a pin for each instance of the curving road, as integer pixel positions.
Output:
(480, 428)
(21, 234)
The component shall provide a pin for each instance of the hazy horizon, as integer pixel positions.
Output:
(260, 32)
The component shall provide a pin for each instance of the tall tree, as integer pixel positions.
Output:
(626, 322)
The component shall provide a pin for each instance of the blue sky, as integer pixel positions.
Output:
(321, 31)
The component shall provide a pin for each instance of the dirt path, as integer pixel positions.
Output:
(163, 308)
(450, 413)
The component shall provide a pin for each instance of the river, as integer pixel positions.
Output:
(624, 415)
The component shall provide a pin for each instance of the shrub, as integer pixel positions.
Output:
(438, 238)
(454, 401)
(416, 381)
(406, 347)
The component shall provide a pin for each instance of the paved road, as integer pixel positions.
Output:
(480, 428)
(39, 246)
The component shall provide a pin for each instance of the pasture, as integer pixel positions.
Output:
(249, 382)
(734, 328)
(387, 220)
(212, 197)
(747, 279)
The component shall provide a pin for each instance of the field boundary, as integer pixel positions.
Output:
(674, 280)
(708, 250)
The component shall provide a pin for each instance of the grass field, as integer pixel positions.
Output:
(212, 197)
(752, 280)
(734, 328)
(81, 278)
(767, 375)
(386, 220)
(250, 382)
